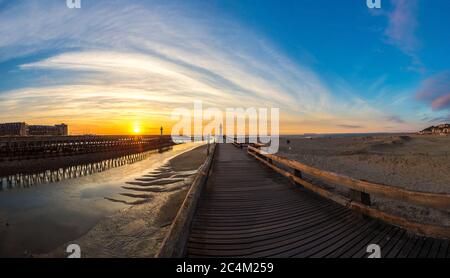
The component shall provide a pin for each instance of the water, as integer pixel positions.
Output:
(39, 218)
(49, 176)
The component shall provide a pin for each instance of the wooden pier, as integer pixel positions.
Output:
(241, 207)
(31, 147)
(25, 180)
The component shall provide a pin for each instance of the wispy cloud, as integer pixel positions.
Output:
(350, 126)
(142, 60)
(441, 119)
(395, 119)
(441, 102)
(401, 30)
(435, 91)
(402, 25)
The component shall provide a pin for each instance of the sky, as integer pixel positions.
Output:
(330, 66)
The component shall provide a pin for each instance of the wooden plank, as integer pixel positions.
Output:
(408, 246)
(257, 230)
(244, 220)
(302, 249)
(341, 241)
(267, 240)
(366, 239)
(434, 251)
(393, 243)
(442, 253)
(414, 253)
(398, 246)
(426, 248)
(361, 251)
(253, 226)
(297, 227)
(286, 243)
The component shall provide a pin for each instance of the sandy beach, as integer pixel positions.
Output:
(415, 162)
(139, 229)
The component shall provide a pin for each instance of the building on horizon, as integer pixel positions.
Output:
(48, 130)
(443, 129)
(13, 129)
(23, 129)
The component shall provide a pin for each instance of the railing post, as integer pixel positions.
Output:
(361, 197)
(298, 174)
(207, 148)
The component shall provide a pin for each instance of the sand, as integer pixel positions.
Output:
(415, 162)
(138, 230)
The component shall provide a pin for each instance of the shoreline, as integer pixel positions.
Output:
(138, 230)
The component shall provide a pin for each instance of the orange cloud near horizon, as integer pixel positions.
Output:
(152, 127)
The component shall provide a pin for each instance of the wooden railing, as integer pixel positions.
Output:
(175, 242)
(242, 145)
(360, 193)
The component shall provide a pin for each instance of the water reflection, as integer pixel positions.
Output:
(41, 218)
(50, 176)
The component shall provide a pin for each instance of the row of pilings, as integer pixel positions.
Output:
(71, 172)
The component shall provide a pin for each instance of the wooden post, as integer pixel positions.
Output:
(361, 197)
(207, 149)
(297, 173)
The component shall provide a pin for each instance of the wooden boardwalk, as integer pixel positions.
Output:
(248, 210)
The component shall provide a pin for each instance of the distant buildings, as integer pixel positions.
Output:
(13, 129)
(443, 129)
(22, 129)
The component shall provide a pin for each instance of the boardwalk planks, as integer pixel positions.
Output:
(247, 210)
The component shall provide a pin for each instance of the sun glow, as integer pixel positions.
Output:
(136, 129)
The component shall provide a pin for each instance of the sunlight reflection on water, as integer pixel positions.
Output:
(39, 218)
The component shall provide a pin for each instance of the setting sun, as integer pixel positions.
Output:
(137, 129)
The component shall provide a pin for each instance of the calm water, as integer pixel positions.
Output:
(40, 218)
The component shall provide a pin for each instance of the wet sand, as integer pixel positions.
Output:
(139, 229)
(415, 162)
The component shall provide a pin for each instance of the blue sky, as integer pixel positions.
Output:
(330, 66)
